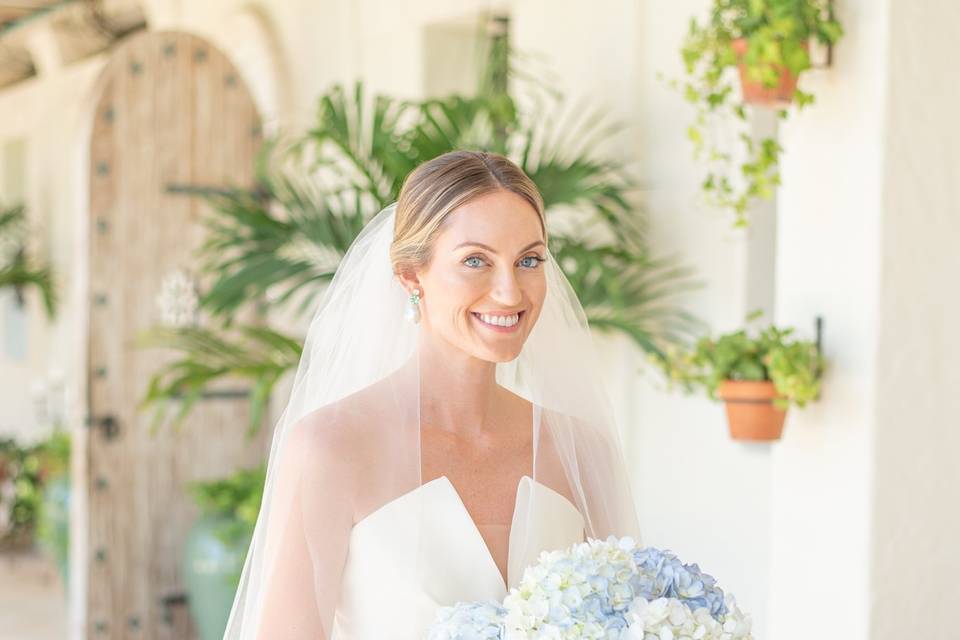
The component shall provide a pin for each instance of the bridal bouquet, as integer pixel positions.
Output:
(602, 589)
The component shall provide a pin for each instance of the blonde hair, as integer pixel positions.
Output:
(437, 187)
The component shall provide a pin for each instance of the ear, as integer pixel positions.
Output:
(409, 281)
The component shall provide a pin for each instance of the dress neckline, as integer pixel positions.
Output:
(476, 528)
(511, 540)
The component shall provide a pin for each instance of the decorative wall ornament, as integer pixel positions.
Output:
(178, 300)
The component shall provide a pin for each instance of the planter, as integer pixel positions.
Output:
(751, 414)
(53, 526)
(757, 93)
(211, 569)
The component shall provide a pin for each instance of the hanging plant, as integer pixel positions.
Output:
(758, 377)
(766, 44)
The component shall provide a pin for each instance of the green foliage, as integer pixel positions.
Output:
(54, 454)
(777, 33)
(795, 367)
(251, 248)
(17, 268)
(24, 471)
(256, 354)
(236, 498)
(554, 147)
(52, 530)
(624, 292)
(280, 242)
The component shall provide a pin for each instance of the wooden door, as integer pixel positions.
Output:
(172, 110)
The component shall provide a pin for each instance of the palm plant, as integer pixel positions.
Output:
(283, 239)
(258, 355)
(17, 269)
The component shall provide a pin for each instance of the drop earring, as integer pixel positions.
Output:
(413, 309)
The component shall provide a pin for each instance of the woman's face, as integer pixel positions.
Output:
(484, 287)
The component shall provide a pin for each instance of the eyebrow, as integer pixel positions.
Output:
(494, 251)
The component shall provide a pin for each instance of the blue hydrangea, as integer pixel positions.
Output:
(469, 621)
(601, 590)
(662, 575)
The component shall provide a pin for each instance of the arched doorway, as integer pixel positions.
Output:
(172, 109)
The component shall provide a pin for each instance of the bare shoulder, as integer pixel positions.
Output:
(358, 443)
(340, 430)
(356, 435)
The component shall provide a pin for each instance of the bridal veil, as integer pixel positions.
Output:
(352, 424)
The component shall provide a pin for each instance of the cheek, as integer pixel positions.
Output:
(537, 290)
(455, 293)
(536, 294)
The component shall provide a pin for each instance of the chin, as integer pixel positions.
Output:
(505, 358)
(501, 355)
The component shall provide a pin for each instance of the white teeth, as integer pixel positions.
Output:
(501, 321)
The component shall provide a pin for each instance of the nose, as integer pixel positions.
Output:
(506, 289)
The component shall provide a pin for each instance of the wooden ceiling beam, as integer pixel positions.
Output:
(14, 11)
(55, 33)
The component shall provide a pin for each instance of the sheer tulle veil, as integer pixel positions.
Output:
(352, 424)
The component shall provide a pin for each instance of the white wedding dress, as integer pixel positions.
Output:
(377, 600)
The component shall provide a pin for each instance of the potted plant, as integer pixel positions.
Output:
(53, 517)
(19, 495)
(31, 480)
(758, 377)
(217, 544)
(768, 84)
(768, 43)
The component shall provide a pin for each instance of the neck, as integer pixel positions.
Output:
(458, 392)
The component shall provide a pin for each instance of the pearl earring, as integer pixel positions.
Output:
(413, 310)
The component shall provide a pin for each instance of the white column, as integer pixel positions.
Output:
(915, 550)
(829, 260)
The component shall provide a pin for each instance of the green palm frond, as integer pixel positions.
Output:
(284, 237)
(458, 122)
(629, 292)
(362, 143)
(18, 269)
(257, 355)
(12, 219)
(560, 153)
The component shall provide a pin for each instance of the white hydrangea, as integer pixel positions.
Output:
(549, 601)
(598, 590)
(670, 619)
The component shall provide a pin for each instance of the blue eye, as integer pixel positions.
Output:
(537, 260)
(472, 258)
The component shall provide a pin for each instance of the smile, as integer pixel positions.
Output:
(501, 323)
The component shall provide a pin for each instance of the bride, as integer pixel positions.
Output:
(447, 421)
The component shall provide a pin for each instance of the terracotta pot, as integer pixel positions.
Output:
(758, 93)
(751, 414)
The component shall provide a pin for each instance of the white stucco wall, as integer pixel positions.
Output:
(47, 115)
(915, 521)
